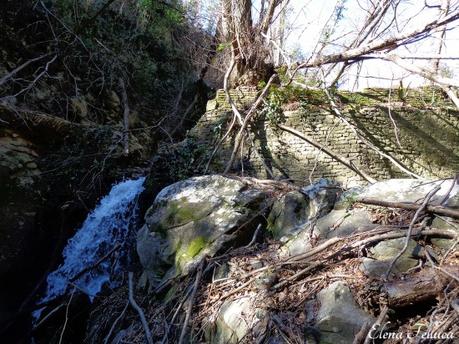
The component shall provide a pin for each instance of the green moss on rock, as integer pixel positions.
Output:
(185, 253)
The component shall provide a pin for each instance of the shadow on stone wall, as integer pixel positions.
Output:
(428, 136)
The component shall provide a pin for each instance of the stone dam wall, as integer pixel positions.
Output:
(419, 136)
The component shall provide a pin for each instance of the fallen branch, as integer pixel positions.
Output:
(297, 275)
(191, 303)
(8, 76)
(434, 209)
(430, 232)
(112, 328)
(377, 324)
(226, 89)
(439, 268)
(248, 117)
(410, 228)
(66, 317)
(418, 287)
(138, 309)
(327, 151)
(96, 264)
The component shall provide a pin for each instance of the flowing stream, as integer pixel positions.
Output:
(97, 247)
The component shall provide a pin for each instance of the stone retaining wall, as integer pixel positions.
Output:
(426, 143)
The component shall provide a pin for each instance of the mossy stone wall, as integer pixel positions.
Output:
(421, 135)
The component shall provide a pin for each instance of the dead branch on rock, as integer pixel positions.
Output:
(418, 287)
(327, 151)
(297, 275)
(410, 228)
(435, 209)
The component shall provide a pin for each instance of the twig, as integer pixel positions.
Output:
(66, 316)
(217, 146)
(254, 236)
(5, 78)
(411, 206)
(410, 228)
(453, 183)
(377, 323)
(248, 117)
(297, 275)
(389, 112)
(439, 268)
(191, 303)
(138, 309)
(112, 328)
(166, 334)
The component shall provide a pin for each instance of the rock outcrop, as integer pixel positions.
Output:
(319, 273)
(195, 218)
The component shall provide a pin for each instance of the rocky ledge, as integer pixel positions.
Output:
(239, 260)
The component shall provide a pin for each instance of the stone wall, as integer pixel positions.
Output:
(423, 138)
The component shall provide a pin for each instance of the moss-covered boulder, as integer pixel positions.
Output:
(196, 217)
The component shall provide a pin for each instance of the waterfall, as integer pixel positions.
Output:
(105, 228)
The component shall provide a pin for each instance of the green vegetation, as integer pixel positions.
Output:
(185, 253)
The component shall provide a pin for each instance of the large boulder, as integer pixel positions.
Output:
(296, 209)
(194, 218)
(408, 190)
(240, 319)
(449, 224)
(288, 214)
(381, 256)
(337, 316)
(337, 223)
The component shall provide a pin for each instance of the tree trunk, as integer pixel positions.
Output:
(245, 41)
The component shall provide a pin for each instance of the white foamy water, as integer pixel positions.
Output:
(104, 228)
